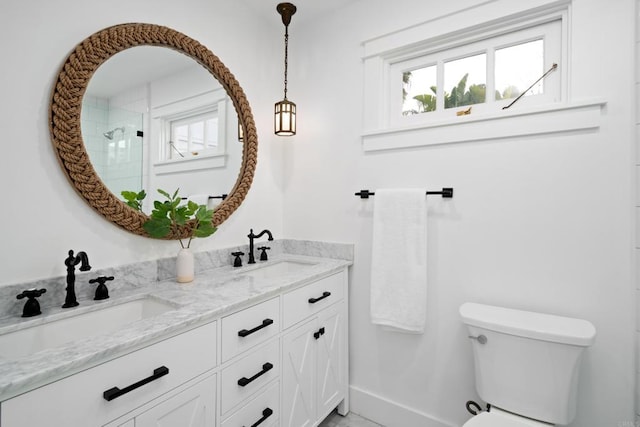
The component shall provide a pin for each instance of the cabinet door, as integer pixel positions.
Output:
(193, 407)
(331, 378)
(298, 376)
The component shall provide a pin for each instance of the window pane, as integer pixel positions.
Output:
(194, 134)
(465, 81)
(181, 138)
(197, 136)
(419, 91)
(212, 133)
(517, 67)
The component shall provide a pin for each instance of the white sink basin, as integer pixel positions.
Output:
(23, 342)
(268, 271)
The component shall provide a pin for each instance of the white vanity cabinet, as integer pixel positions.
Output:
(315, 371)
(124, 385)
(276, 360)
(294, 359)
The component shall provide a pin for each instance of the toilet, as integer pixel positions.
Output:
(526, 365)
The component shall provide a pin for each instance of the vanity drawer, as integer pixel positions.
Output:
(246, 376)
(251, 326)
(265, 407)
(308, 300)
(185, 356)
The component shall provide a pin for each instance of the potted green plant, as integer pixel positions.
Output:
(168, 214)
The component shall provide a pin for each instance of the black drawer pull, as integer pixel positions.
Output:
(265, 368)
(265, 414)
(116, 392)
(315, 300)
(243, 333)
(318, 334)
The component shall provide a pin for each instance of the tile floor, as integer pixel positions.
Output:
(351, 420)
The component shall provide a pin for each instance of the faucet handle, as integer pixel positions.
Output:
(101, 291)
(32, 306)
(31, 293)
(263, 254)
(237, 262)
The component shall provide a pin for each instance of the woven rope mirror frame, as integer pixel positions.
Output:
(65, 113)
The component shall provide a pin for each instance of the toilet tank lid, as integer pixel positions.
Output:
(545, 327)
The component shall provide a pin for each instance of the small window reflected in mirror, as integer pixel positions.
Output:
(517, 67)
(194, 135)
(465, 81)
(419, 91)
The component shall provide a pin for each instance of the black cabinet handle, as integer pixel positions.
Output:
(116, 392)
(265, 414)
(266, 322)
(315, 300)
(265, 368)
(318, 334)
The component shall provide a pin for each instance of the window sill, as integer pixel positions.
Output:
(549, 119)
(190, 164)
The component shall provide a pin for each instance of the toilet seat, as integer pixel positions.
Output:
(499, 418)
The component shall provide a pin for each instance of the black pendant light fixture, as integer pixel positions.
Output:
(285, 110)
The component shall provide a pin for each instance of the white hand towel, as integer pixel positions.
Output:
(399, 260)
(200, 199)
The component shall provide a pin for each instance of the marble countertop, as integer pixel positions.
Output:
(210, 296)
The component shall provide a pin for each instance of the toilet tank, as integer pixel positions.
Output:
(529, 363)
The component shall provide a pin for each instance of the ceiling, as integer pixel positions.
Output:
(307, 9)
(153, 63)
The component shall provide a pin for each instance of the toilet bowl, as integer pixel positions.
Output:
(499, 418)
(526, 365)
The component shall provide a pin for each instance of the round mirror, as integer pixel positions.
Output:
(128, 114)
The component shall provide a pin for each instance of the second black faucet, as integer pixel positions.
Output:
(251, 237)
(71, 262)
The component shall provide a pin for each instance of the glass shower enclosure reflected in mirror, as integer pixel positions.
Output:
(113, 137)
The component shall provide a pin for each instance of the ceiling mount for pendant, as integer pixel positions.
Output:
(287, 10)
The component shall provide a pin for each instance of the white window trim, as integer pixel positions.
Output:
(539, 120)
(189, 164)
(493, 17)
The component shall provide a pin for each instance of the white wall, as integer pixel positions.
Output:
(538, 223)
(43, 216)
(637, 202)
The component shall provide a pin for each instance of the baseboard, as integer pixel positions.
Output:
(388, 413)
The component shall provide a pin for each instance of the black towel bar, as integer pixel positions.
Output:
(446, 193)
(223, 197)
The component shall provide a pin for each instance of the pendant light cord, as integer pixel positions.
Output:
(286, 57)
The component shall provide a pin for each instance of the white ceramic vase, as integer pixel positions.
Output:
(184, 266)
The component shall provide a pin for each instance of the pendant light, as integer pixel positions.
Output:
(285, 110)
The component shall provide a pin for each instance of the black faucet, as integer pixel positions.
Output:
(102, 292)
(71, 262)
(32, 306)
(252, 236)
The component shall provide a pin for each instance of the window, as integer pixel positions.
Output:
(483, 75)
(449, 79)
(194, 135)
(188, 129)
